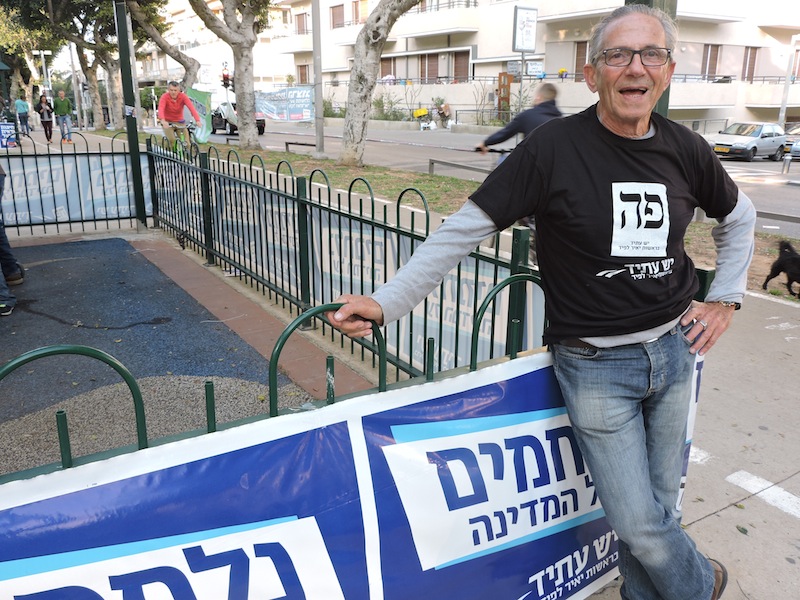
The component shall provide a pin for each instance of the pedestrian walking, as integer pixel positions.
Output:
(45, 110)
(22, 108)
(62, 106)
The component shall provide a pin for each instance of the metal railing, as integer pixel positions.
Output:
(67, 189)
(303, 244)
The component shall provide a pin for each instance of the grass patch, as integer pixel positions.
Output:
(445, 195)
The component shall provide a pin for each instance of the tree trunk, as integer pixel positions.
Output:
(364, 76)
(94, 90)
(239, 27)
(245, 97)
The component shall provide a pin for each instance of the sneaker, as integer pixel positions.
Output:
(5, 310)
(720, 578)
(17, 278)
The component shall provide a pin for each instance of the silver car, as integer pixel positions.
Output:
(748, 140)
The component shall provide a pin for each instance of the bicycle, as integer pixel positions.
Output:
(185, 140)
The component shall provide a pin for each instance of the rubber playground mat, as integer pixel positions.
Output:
(106, 295)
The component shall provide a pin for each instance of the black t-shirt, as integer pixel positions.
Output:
(611, 214)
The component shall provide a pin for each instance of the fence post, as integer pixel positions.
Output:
(205, 193)
(517, 294)
(151, 165)
(305, 248)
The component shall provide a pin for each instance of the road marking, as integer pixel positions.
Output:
(767, 491)
(698, 456)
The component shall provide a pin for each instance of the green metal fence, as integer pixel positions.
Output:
(67, 188)
(303, 244)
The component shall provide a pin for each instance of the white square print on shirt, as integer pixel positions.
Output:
(641, 219)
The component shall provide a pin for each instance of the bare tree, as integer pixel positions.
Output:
(242, 21)
(364, 76)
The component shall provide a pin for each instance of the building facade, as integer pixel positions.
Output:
(733, 58)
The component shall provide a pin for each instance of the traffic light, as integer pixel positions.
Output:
(231, 80)
(226, 79)
(84, 87)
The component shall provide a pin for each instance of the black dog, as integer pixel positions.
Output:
(788, 262)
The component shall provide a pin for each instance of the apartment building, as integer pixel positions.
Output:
(732, 58)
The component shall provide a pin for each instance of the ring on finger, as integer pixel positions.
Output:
(703, 323)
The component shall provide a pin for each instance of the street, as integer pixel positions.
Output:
(762, 180)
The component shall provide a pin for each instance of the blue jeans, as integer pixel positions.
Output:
(628, 407)
(65, 125)
(6, 297)
(24, 127)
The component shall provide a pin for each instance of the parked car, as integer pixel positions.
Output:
(795, 151)
(748, 140)
(792, 135)
(224, 117)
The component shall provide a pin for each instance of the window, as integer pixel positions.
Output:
(461, 66)
(796, 72)
(387, 67)
(302, 74)
(360, 11)
(337, 16)
(580, 60)
(710, 58)
(749, 66)
(429, 68)
(301, 22)
(287, 17)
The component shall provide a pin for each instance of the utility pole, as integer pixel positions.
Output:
(671, 8)
(129, 99)
(790, 69)
(76, 90)
(319, 113)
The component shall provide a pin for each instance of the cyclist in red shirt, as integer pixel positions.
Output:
(170, 110)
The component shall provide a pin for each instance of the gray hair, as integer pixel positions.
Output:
(597, 38)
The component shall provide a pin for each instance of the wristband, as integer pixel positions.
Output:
(726, 303)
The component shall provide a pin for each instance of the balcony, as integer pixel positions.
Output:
(294, 43)
(442, 18)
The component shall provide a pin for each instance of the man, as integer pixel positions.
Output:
(613, 189)
(62, 107)
(544, 109)
(22, 108)
(170, 110)
(12, 273)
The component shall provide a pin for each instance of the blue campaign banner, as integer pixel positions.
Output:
(289, 104)
(497, 502)
(469, 487)
(8, 135)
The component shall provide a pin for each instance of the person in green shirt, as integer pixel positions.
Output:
(21, 106)
(63, 110)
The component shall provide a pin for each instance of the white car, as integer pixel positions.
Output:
(748, 140)
(225, 118)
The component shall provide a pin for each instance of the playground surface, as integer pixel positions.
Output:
(125, 298)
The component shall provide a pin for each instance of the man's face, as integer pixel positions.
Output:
(173, 91)
(61, 94)
(629, 94)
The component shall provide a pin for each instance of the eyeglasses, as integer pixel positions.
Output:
(622, 57)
